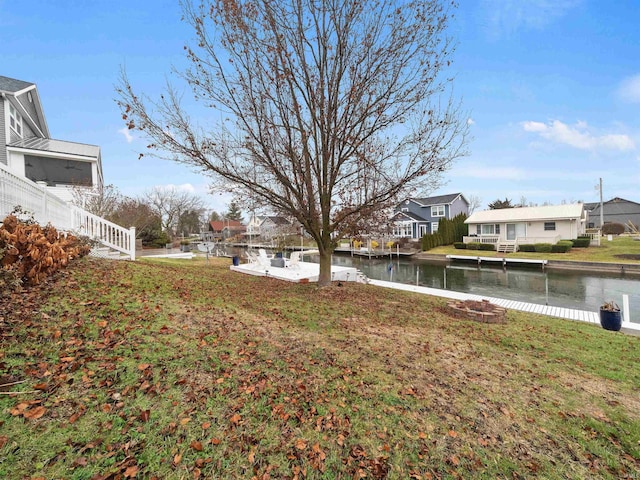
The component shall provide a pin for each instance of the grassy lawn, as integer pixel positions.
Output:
(619, 250)
(179, 370)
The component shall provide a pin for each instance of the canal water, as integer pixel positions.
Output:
(580, 290)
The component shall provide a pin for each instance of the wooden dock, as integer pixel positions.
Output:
(501, 260)
(559, 312)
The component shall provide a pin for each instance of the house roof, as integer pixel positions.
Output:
(11, 85)
(550, 212)
(219, 225)
(58, 146)
(409, 216)
(591, 205)
(438, 200)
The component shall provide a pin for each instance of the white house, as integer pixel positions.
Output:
(27, 149)
(510, 227)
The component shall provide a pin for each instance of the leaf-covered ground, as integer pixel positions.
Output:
(186, 370)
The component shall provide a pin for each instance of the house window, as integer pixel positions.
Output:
(15, 120)
(489, 229)
(404, 209)
(549, 226)
(437, 211)
(434, 227)
(403, 229)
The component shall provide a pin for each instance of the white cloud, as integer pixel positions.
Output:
(128, 137)
(579, 136)
(470, 121)
(629, 90)
(507, 16)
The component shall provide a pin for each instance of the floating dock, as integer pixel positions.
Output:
(498, 260)
(303, 272)
(558, 312)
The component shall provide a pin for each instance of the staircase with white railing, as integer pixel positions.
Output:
(48, 208)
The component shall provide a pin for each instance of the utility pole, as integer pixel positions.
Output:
(601, 207)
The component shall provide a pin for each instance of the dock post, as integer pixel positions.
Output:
(625, 308)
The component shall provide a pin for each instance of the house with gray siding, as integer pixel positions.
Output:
(27, 149)
(616, 210)
(416, 217)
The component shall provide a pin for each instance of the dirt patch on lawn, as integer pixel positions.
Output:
(628, 256)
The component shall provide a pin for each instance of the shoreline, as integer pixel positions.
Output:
(605, 267)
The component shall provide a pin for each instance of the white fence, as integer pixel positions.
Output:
(47, 208)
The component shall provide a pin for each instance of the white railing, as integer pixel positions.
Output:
(47, 208)
(595, 237)
(482, 239)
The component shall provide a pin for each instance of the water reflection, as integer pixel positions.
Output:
(579, 290)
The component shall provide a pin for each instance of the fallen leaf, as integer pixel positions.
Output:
(184, 421)
(215, 441)
(206, 425)
(196, 445)
(452, 433)
(144, 366)
(35, 413)
(131, 471)
(235, 418)
(144, 415)
(177, 458)
(301, 444)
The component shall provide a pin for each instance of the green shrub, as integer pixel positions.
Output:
(473, 246)
(543, 247)
(560, 248)
(612, 228)
(527, 247)
(581, 242)
(460, 245)
(487, 246)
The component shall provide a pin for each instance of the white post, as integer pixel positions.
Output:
(132, 243)
(626, 314)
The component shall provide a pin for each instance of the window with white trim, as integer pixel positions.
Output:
(489, 229)
(15, 120)
(549, 226)
(434, 227)
(403, 229)
(437, 211)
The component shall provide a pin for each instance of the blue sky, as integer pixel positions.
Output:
(552, 88)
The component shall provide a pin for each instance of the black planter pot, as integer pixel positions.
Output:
(611, 320)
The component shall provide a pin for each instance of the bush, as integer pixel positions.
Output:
(473, 246)
(612, 228)
(543, 247)
(30, 253)
(560, 248)
(527, 247)
(487, 246)
(581, 242)
(460, 245)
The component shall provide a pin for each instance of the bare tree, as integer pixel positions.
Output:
(474, 203)
(101, 200)
(170, 203)
(336, 108)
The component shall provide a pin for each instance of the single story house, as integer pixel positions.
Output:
(509, 227)
(616, 210)
(415, 217)
(27, 149)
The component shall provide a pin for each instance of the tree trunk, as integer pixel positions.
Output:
(324, 278)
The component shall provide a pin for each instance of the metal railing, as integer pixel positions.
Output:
(48, 208)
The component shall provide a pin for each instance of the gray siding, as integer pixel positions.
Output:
(3, 140)
(458, 206)
(31, 108)
(616, 212)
